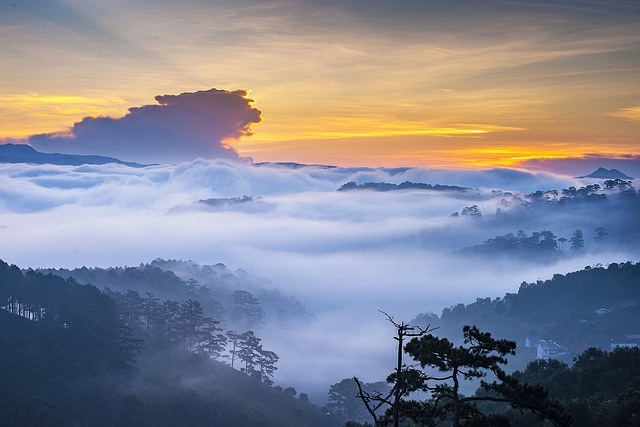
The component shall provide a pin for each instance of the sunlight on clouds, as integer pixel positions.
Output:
(353, 127)
(53, 112)
(455, 151)
(335, 73)
(629, 113)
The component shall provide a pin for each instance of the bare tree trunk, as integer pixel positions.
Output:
(456, 400)
(396, 399)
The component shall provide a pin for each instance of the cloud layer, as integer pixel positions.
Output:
(180, 128)
(345, 255)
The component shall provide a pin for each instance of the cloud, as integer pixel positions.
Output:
(180, 128)
(344, 255)
(629, 113)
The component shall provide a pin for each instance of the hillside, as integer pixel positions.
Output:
(562, 309)
(213, 285)
(22, 153)
(69, 358)
(605, 173)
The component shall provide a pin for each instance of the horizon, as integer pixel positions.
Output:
(569, 167)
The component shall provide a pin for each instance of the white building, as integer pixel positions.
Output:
(549, 350)
(615, 345)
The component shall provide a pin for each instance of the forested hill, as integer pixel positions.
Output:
(407, 185)
(564, 309)
(220, 290)
(72, 355)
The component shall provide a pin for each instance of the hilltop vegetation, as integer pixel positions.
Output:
(78, 354)
(562, 309)
(407, 185)
(218, 289)
(600, 389)
(75, 355)
(592, 385)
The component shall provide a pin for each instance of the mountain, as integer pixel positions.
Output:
(603, 173)
(22, 153)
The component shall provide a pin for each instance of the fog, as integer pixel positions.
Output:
(344, 255)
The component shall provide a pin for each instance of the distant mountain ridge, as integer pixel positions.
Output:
(22, 153)
(292, 165)
(407, 185)
(604, 173)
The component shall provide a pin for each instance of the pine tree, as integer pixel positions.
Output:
(577, 241)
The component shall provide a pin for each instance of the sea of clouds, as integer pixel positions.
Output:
(345, 255)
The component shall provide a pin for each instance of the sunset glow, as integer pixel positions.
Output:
(431, 84)
(279, 213)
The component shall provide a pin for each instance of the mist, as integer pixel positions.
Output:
(345, 255)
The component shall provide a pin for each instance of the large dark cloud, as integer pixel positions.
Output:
(181, 128)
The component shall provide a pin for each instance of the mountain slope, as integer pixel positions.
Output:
(604, 173)
(563, 309)
(22, 153)
(67, 359)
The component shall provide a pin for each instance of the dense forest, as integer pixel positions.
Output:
(75, 354)
(237, 299)
(565, 309)
(601, 388)
(407, 185)
(591, 315)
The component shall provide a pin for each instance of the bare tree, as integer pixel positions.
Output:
(403, 378)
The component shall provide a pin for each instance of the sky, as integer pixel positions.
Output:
(499, 96)
(444, 84)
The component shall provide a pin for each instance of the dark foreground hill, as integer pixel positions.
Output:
(67, 359)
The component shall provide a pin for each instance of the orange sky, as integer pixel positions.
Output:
(439, 84)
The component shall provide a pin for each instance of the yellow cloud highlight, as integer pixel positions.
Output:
(373, 126)
(629, 113)
(23, 115)
(424, 151)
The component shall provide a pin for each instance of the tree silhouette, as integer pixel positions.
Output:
(404, 379)
(248, 346)
(601, 233)
(170, 311)
(267, 364)
(479, 355)
(213, 342)
(246, 312)
(562, 241)
(190, 323)
(472, 211)
(577, 241)
(344, 400)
